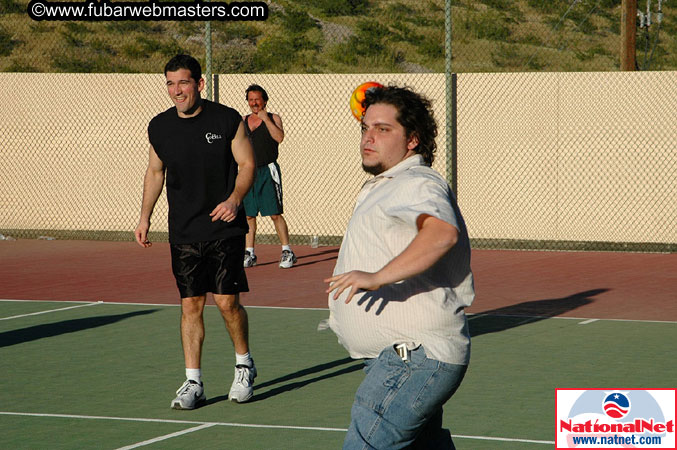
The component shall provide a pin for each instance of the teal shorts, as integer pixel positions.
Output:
(265, 195)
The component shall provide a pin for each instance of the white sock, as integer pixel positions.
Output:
(286, 247)
(244, 360)
(194, 374)
(250, 250)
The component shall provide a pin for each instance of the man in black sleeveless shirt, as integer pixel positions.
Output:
(202, 149)
(265, 197)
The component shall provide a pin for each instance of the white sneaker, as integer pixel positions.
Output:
(288, 259)
(249, 259)
(242, 390)
(189, 395)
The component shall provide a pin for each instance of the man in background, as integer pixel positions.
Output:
(265, 132)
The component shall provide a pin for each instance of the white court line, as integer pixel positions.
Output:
(51, 310)
(470, 315)
(585, 322)
(487, 438)
(291, 308)
(478, 315)
(243, 425)
(189, 422)
(40, 300)
(167, 436)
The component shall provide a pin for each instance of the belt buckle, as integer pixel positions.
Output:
(402, 351)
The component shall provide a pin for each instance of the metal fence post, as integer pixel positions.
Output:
(208, 58)
(450, 80)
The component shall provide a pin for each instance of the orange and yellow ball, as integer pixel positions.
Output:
(358, 96)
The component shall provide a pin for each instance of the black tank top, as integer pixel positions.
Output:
(265, 147)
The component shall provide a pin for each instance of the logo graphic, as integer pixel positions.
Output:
(211, 137)
(616, 418)
(616, 405)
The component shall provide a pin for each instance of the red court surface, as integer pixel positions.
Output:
(640, 286)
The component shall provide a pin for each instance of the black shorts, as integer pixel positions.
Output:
(214, 266)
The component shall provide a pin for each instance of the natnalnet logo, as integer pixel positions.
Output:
(615, 418)
(616, 405)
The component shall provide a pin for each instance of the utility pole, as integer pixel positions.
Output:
(628, 34)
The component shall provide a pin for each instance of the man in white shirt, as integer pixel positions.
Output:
(402, 281)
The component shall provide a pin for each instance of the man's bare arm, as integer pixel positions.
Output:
(152, 188)
(274, 126)
(244, 157)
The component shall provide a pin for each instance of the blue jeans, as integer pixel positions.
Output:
(399, 404)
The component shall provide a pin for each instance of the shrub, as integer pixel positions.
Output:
(7, 44)
(296, 21)
(530, 39)
(20, 66)
(72, 40)
(338, 7)
(398, 11)
(503, 5)
(76, 28)
(489, 25)
(548, 6)
(235, 59)
(172, 48)
(102, 47)
(592, 52)
(237, 30)
(128, 26)
(149, 45)
(342, 54)
(371, 29)
(506, 56)
(433, 48)
(362, 47)
(405, 33)
(277, 53)
(72, 64)
(11, 6)
(133, 51)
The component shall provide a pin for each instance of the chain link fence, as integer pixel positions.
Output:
(559, 35)
(540, 158)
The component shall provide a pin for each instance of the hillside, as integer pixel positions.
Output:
(349, 36)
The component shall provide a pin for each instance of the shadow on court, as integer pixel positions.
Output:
(512, 316)
(36, 332)
(298, 384)
(333, 252)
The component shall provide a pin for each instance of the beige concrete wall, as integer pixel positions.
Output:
(74, 150)
(569, 156)
(558, 156)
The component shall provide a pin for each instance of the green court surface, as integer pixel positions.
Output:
(102, 375)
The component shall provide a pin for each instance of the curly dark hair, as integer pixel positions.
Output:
(256, 88)
(414, 113)
(185, 62)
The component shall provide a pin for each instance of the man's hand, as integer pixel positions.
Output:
(355, 280)
(141, 234)
(262, 114)
(226, 211)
